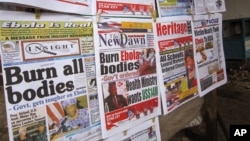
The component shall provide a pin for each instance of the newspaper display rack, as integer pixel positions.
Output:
(106, 75)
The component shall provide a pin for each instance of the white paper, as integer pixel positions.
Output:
(209, 54)
(45, 63)
(146, 131)
(177, 75)
(126, 64)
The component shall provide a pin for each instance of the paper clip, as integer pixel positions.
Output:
(37, 13)
(208, 13)
(125, 133)
(98, 15)
(153, 120)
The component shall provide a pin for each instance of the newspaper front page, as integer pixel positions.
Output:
(146, 131)
(126, 73)
(49, 77)
(209, 6)
(174, 7)
(83, 7)
(209, 53)
(175, 50)
(128, 8)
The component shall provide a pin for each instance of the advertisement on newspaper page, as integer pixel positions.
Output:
(175, 50)
(128, 8)
(49, 77)
(83, 7)
(174, 7)
(146, 131)
(126, 73)
(209, 6)
(209, 53)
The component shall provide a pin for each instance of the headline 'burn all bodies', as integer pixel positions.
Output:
(114, 101)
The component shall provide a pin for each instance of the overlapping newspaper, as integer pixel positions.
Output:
(82, 7)
(49, 76)
(189, 7)
(146, 131)
(126, 73)
(128, 8)
(209, 6)
(209, 53)
(177, 75)
(174, 7)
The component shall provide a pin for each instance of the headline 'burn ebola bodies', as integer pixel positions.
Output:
(108, 65)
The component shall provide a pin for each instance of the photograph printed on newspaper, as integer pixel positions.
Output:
(126, 73)
(209, 52)
(49, 76)
(177, 75)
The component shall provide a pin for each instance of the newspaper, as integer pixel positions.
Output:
(126, 73)
(129, 8)
(174, 7)
(141, 8)
(177, 75)
(209, 6)
(49, 76)
(83, 7)
(146, 131)
(209, 54)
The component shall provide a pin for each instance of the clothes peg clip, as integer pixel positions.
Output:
(191, 12)
(125, 133)
(37, 13)
(98, 15)
(153, 120)
(153, 13)
(208, 13)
